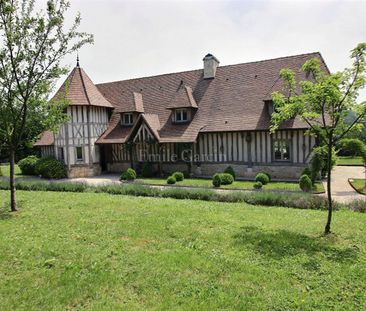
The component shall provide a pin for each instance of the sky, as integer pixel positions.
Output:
(144, 38)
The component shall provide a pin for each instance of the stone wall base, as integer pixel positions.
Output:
(118, 167)
(78, 171)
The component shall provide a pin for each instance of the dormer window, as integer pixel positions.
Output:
(127, 119)
(181, 115)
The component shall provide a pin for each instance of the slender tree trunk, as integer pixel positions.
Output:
(13, 202)
(329, 187)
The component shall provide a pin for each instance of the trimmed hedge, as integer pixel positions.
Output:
(305, 183)
(269, 176)
(263, 178)
(230, 170)
(128, 175)
(226, 179)
(282, 199)
(258, 185)
(216, 181)
(28, 165)
(171, 180)
(49, 167)
(179, 176)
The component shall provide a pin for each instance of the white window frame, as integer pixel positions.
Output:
(283, 143)
(130, 117)
(76, 154)
(180, 112)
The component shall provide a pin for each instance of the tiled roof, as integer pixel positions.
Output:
(183, 99)
(79, 89)
(132, 103)
(232, 101)
(47, 138)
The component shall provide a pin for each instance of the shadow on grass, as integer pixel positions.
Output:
(282, 243)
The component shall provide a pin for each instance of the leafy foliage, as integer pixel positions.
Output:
(28, 165)
(354, 147)
(230, 170)
(49, 167)
(171, 180)
(307, 171)
(216, 181)
(129, 175)
(179, 176)
(263, 178)
(257, 185)
(324, 101)
(226, 179)
(305, 183)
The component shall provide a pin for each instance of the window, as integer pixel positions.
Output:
(127, 119)
(181, 115)
(61, 156)
(79, 154)
(281, 150)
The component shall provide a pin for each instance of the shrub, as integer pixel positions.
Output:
(171, 180)
(28, 165)
(216, 181)
(49, 167)
(230, 170)
(306, 171)
(319, 160)
(147, 170)
(357, 205)
(258, 185)
(305, 183)
(353, 147)
(263, 178)
(179, 176)
(226, 179)
(269, 176)
(129, 175)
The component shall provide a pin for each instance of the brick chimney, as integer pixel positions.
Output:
(210, 63)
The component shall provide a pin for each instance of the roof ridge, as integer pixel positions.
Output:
(84, 87)
(193, 70)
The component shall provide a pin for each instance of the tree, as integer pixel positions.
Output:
(323, 102)
(33, 45)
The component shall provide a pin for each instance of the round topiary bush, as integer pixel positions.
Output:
(257, 185)
(28, 165)
(305, 183)
(269, 176)
(171, 180)
(263, 178)
(216, 180)
(147, 170)
(179, 176)
(230, 170)
(226, 179)
(49, 167)
(129, 175)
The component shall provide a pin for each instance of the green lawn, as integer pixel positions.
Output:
(5, 169)
(359, 184)
(350, 161)
(103, 252)
(245, 185)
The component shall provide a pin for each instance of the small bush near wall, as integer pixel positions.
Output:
(263, 178)
(258, 185)
(226, 179)
(171, 180)
(128, 175)
(305, 183)
(307, 171)
(179, 176)
(28, 165)
(269, 176)
(216, 181)
(230, 170)
(49, 167)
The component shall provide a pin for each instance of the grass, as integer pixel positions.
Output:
(86, 251)
(244, 185)
(358, 185)
(356, 161)
(5, 170)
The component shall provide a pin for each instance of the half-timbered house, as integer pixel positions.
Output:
(198, 121)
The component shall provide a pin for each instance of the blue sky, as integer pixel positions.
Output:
(142, 38)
